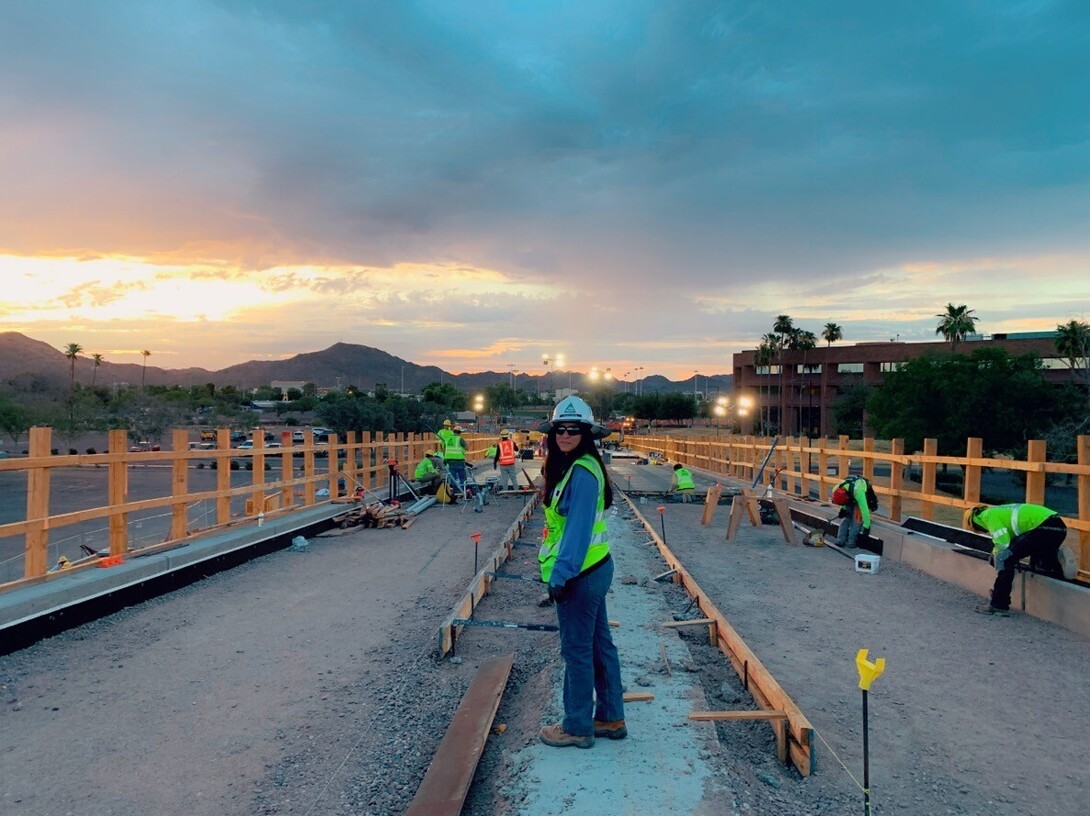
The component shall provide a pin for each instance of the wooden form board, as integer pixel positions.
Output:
(446, 782)
(479, 586)
(768, 693)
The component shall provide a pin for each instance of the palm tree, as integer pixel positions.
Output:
(72, 351)
(832, 333)
(143, 370)
(1073, 341)
(97, 359)
(955, 323)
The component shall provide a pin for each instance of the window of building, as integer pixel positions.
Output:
(1054, 363)
(885, 368)
(765, 370)
(809, 368)
(849, 368)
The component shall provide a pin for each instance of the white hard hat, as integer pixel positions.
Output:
(573, 409)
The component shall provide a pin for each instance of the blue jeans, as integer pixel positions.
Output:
(591, 663)
(457, 470)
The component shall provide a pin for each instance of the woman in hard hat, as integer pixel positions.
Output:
(576, 564)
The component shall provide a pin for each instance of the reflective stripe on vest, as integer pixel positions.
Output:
(554, 522)
(454, 449)
(507, 452)
(684, 479)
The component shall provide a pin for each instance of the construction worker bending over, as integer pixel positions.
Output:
(576, 564)
(505, 459)
(454, 457)
(1018, 530)
(427, 474)
(857, 500)
(682, 483)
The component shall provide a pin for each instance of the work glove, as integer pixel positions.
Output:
(1000, 558)
(558, 593)
(865, 532)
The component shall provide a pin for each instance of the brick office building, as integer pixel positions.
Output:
(810, 382)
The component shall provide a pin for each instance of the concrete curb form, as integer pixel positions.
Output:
(666, 762)
(64, 593)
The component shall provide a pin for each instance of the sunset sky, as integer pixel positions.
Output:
(475, 184)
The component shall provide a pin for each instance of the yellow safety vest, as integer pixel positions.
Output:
(454, 449)
(554, 522)
(684, 479)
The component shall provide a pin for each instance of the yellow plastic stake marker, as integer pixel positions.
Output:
(868, 672)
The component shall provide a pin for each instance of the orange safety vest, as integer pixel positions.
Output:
(507, 452)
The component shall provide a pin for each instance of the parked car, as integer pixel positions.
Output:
(247, 445)
(140, 447)
(237, 436)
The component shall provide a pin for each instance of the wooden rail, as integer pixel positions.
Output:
(806, 467)
(361, 460)
(794, 741)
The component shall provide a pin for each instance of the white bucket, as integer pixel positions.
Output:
(867, 562)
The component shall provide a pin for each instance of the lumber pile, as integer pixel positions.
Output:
(377, 515)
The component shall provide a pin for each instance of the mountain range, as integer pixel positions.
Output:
(342, 364)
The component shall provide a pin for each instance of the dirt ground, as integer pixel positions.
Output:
(305, 683)
(974, 715)
(297, 683)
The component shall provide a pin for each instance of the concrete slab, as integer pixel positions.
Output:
(65, 591)
(628, 775)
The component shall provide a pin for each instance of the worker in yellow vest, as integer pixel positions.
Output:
(427, 474)
(505, 458)
(454, 457)
(576, 564)
(443, 434)
(683, 483)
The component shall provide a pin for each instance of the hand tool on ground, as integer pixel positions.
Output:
(533, 627)
(514, 577)
(662, 521)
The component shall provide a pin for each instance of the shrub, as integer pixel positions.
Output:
(92, 451)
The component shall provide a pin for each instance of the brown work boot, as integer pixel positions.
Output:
(613, 729)
(988, 609)
(557, 737)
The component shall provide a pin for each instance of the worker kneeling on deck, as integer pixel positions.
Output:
(576, 564)
(505, 458)
(427, 474)
(683, 483)
(1018, 530)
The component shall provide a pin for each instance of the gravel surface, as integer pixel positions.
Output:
(306, 683)
(297, 683)
(974, 715)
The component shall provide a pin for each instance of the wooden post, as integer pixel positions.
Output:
(37, 506)
(179, 470)
(974, 449)
(332, 468)
(118, 492)
(258, 479)
(896, 480)
(1083, 446)
(823, 468)
(309, 492)
(287, 472)
(223, 475)
(927, 481)
(804, 465)
(1035, 479)
(843, 460)
(868, 461)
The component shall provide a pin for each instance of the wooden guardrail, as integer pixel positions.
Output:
(806, 467)
(359, 461)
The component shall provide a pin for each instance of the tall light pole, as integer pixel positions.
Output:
(478, 407)
(511, 367)
(639, 380)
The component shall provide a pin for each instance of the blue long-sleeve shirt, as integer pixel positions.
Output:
(579, 505)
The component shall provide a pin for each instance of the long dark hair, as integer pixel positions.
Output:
(557, 462)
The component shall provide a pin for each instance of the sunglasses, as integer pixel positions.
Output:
(570, 430)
